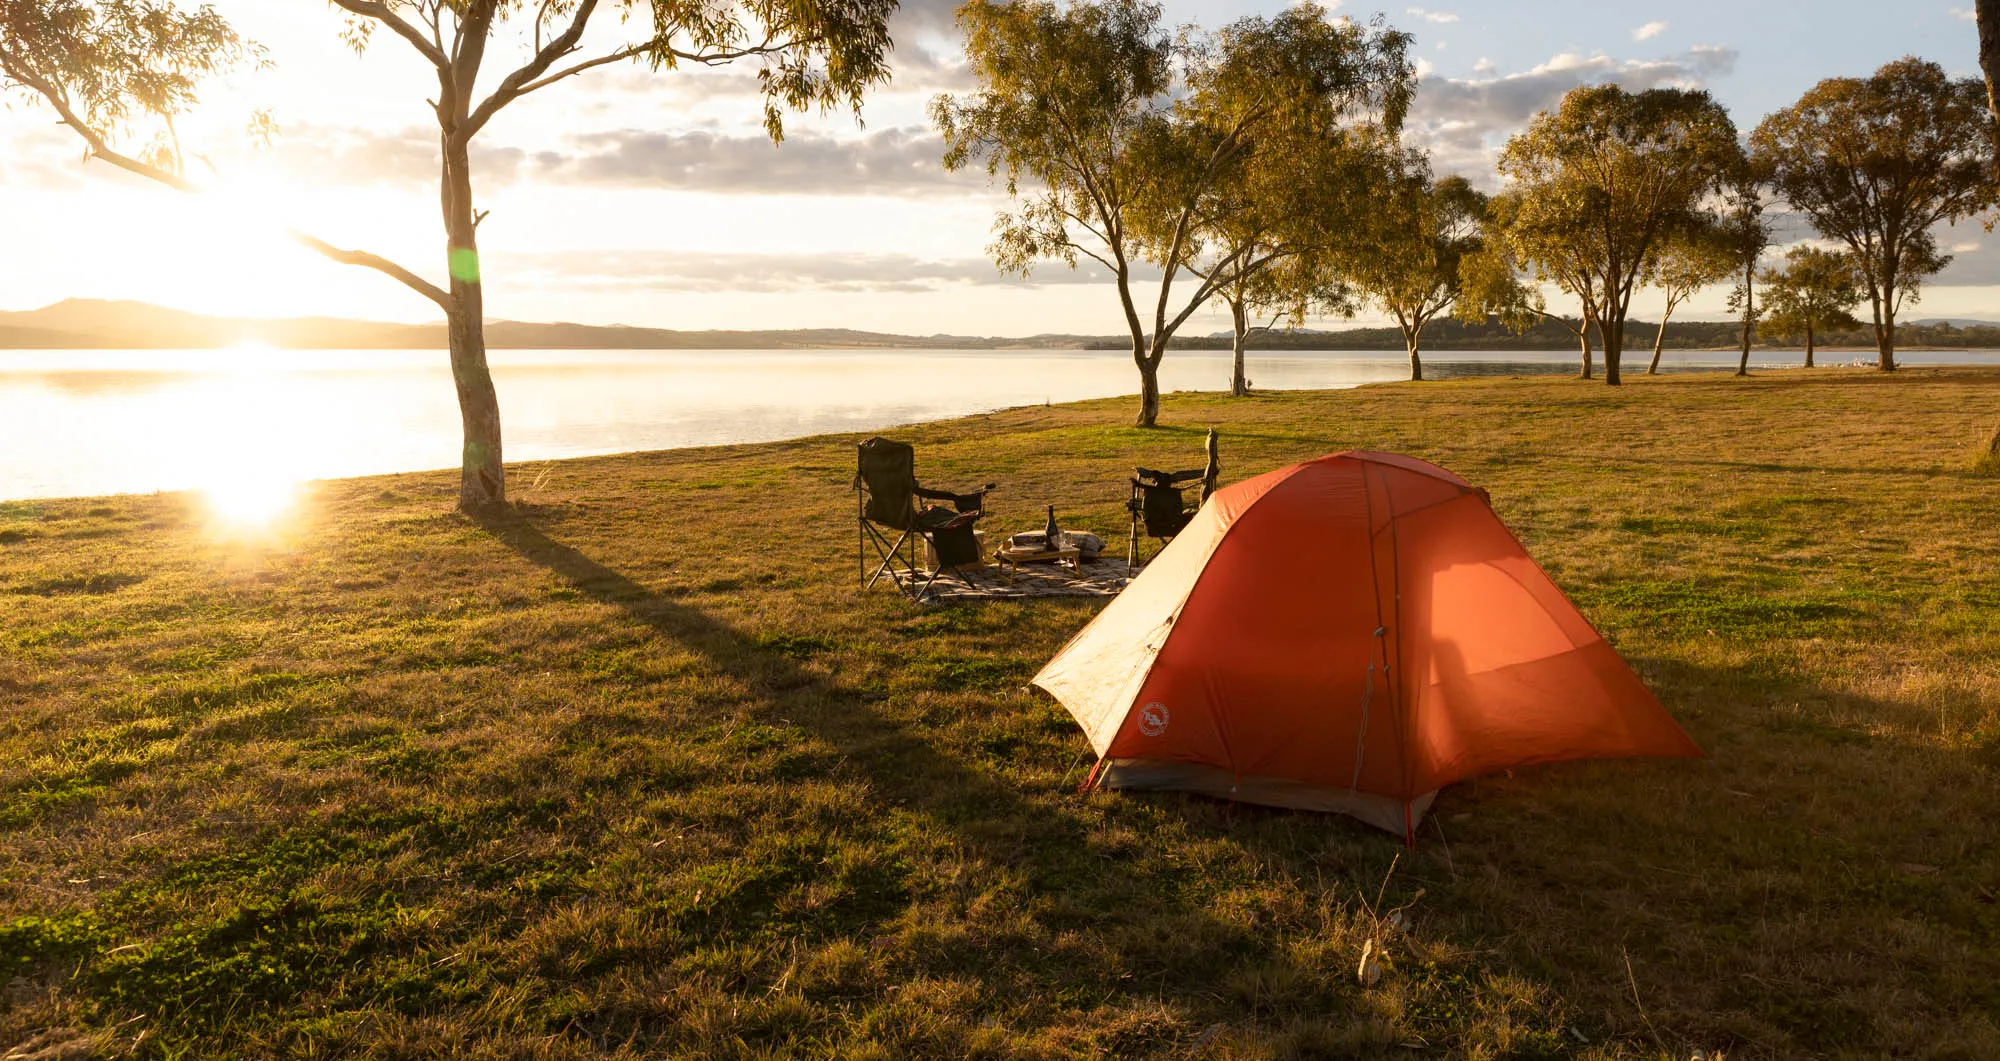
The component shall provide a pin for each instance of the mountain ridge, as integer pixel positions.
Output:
(97, 324)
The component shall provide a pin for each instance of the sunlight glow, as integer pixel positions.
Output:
(250, 503)
(247, 473)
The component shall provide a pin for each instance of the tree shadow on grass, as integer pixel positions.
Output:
(1756, 895)
(1146, 942)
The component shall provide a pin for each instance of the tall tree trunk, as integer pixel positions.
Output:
(1749, 314)
(1614, 350)
(1583, 335)
(482, 480)
(1885, 341)
(1988, 14)
(1660, 340)
(1413, 342)
(1239, 385)
(1809, 343)
(1149, 385)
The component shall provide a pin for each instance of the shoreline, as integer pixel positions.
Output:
(528, 465)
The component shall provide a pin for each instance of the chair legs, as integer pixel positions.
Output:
(889, 553)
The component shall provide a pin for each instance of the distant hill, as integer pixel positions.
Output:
(97, 325)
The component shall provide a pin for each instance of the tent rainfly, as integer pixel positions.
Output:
(1350, 634)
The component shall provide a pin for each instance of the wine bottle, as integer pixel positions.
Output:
(1051, 534)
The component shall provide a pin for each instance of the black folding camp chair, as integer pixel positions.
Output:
(889, 501)
(1159, 502)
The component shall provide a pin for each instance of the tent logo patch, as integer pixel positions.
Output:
(1153, 719)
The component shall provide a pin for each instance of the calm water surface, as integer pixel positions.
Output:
(101, 422)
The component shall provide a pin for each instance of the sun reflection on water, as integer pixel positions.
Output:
(244, 436)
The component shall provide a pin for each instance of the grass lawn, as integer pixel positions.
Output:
(637, 768)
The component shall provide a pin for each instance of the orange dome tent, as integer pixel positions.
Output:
(1350, 634)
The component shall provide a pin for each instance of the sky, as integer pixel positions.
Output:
(650, 198)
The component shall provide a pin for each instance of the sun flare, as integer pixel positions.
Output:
(251, 502)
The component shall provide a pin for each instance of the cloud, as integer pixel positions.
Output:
(409, 157)
(895, 161)
(1436, 17)
(1649, 31)
(1464, 121)
(704, 272)
(45, 156)
(886, 162)
(1967, 14)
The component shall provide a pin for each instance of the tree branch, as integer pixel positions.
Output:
(101, 150)
(517, 83)
(379, 264)
(380, 12)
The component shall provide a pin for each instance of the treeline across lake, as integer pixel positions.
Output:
(1560, 333)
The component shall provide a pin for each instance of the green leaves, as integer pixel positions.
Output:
(1220, 154)
(1816, 291)
(1876, 163)
(111, 64)
(1604, 181)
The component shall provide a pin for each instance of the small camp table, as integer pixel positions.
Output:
(1068, 556)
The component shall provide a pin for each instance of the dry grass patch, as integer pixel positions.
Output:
(634, 768)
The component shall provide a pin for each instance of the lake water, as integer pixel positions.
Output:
(94, 422)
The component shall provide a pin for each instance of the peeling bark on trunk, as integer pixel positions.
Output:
(482, 480)
(1660, 341)
(1239, 384)
(1583, 335)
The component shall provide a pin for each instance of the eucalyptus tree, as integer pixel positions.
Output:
(813, 53)
(114, 68)
(1115, 139)
(1745, 232)
(1545, 241)
(1307, 208)
(1815, 291)
(1414, 266)
(1694, 258)
(1876, 164)
(1627, 171)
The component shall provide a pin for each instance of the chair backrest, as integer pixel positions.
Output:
(886, 472)
(1162, 507)
(1211, 475)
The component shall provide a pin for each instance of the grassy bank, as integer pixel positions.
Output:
(638, 768)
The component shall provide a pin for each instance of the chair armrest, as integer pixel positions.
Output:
(976, 497)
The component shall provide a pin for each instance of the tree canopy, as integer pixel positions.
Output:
(1877, 164)
(1123, 144)
(1422, 232)
(1695, 257)
(113, 67)
(1615, 174)
(1814, 293)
